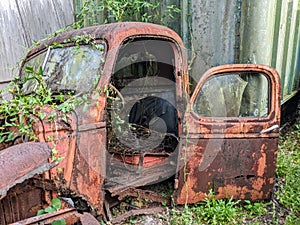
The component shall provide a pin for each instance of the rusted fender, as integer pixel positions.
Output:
(22, 161)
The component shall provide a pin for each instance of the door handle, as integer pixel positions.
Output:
(269, 129)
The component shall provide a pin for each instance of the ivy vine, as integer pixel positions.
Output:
(95, 13)
(18, 114)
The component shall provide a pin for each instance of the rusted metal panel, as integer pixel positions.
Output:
(22, 193)
(89, 168)
(121, 176)
(69, 215)
(88, 219)
(21, 162)
(238, 168)
(60, 134)
(80, 141)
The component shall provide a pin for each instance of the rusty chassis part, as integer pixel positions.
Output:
(71, 216)
(137, 212)
(48, 217)
(134, 192)
(137, 193)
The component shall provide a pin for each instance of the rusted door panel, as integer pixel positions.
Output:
(232, 156)
(89, 167)
(80, 140)
(241, 168)
(89, 160)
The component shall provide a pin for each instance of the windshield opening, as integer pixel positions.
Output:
(75, 68)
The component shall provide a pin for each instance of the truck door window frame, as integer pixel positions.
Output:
(273, 80)
(232, 95)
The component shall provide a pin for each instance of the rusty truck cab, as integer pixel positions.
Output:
(139, 124)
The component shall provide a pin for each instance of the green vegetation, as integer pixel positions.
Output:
(94, 13)
(18, 115)
(31, 95)
(254, 209)
(288, 172)
(210, 211)
(218, 211)
(55, 206)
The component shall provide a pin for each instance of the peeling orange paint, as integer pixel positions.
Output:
(261, 163)
(258, 183)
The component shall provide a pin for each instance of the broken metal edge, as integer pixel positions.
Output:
(31, 174)
(17, 155)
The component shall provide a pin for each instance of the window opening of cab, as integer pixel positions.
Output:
(73, 68)
(243, 94)
(144, 72)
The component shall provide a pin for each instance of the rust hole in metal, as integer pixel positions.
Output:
(243, 176)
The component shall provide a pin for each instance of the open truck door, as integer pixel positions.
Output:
(230, 137)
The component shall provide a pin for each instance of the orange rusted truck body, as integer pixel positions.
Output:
(224, 142)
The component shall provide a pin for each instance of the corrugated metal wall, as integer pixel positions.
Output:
(270, 35)
(22, 22)
(246, 31)
(214, 34)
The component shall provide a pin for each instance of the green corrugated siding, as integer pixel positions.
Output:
(276, 33)
(286, 45)
(293, 79)
(289, 60)
(273, 39)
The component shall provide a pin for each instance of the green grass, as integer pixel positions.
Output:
(219, 211)
(288, 172)
(210, 211)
